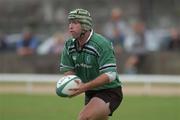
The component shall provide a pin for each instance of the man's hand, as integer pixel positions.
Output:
(78, 90)
(99, 81)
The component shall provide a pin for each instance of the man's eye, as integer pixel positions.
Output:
(73, 21)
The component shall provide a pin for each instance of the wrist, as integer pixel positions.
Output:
(87, 86)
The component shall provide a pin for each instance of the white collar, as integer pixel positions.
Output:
(88, 37)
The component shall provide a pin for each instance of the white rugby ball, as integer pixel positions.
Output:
(65, 83)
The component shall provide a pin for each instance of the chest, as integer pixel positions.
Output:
(84, 59)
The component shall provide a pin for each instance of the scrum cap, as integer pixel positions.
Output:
(83, 16)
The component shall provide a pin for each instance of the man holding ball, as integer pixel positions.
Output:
(91, 57)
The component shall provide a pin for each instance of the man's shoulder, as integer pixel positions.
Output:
(98, 37)
(100, 40)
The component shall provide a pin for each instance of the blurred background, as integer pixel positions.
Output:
(144, 33)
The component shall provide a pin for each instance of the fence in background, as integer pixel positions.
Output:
(146, 80)
(124, 78)
(154, 63)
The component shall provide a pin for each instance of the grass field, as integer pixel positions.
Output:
(52, 107)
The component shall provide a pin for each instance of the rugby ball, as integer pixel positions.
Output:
(65, 83)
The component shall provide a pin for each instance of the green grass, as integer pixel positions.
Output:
(52, 107)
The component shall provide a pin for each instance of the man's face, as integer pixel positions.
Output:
(74, 28)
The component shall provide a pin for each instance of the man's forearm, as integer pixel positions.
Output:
(99, 81)
(69, 73)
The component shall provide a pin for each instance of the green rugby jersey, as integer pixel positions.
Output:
(95, 58)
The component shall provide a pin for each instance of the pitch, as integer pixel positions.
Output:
(46, 107)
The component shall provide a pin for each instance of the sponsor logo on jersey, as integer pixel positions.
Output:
(83, 65)
(88, 59)
(74, 58)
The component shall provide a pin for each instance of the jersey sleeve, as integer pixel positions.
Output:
(107, 60)
(66, 63)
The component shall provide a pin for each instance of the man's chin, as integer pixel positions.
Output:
(75, 36)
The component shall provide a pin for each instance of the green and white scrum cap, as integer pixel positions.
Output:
(83, 16)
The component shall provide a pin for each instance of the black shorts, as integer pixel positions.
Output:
(113, 96)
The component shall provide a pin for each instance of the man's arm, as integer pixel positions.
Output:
(99, 81)
(69, 73)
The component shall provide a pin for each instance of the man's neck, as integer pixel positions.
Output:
(83, 39)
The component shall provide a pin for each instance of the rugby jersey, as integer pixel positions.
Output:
(93, 59)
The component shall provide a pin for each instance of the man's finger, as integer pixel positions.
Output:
(77, 81)
(73, 89)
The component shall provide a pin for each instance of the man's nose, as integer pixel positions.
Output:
(70, 25)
